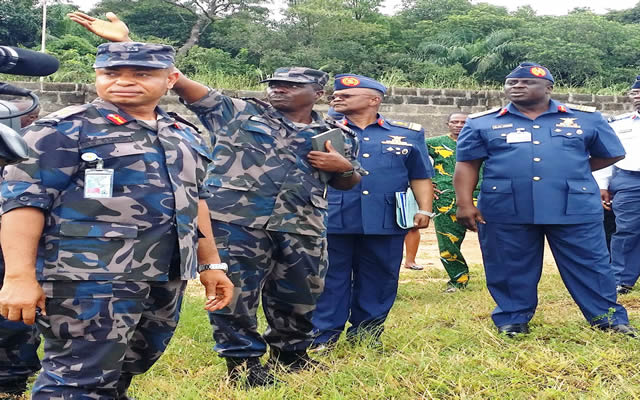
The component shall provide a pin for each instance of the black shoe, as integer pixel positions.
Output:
(623, 289)
(512, 330)
(293, 361)
(624, 329)
(256, 373)
(13, 389)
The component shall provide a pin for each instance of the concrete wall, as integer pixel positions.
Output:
(429, 107)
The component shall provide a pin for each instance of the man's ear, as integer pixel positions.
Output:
(319, 94)
(172, 78)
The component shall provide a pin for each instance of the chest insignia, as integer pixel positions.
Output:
(568, 123)
(501, 126)
(116, 119)
(397, 141)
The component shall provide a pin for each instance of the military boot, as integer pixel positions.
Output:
(256, 373)
(293, 361)
(13, 389)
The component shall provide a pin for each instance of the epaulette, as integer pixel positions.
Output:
(180, 118)
(409, 125)
(620, 117)
(580, 107)
(332, 122)
(483, 113)
(57, 116)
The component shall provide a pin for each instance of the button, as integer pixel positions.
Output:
(536, 142)
(365, 155)
(579, 132)
(365, 173)
(536, 159)
(494, 188)
(536, 178)
(365, 192)
(584, 188)
(24, 198)
(503, 134)
(366, 139)
(569, 133)
(536, 126)
(558, 130)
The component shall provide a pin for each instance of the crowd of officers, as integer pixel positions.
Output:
(121, 203)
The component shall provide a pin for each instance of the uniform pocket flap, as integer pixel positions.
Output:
(319, 201)
(581, 186)
(98, 229)
(497, 186)
(335, 198)
(226, 182)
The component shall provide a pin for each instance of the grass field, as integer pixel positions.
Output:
(437, 346)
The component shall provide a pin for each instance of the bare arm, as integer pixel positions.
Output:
(465, 180)
(423, 192)
(218, 287)
(21, 292)
(599, 163)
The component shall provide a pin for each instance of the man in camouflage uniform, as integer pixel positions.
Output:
(18, 342)
(268, 206)
(101, 223)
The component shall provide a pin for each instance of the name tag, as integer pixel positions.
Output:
(518, 137)
(98, 183)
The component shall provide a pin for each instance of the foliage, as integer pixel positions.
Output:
(429, 42)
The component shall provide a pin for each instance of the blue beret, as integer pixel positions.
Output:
(134, 54)
(350, 81)
(636, 84)
(531, 70)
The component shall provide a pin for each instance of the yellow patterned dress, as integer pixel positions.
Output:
(450, 234)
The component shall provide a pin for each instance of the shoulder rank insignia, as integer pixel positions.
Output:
(483, 113)
(55, 117)
(409, 125)
(116, 118)
(580, 107)
(397, 141)
(621, 116)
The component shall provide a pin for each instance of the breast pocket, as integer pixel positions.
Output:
(121, 154)
(583, 197)
(568, 139)
(87, 247)
(496, 197)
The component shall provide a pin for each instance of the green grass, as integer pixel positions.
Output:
(437, 346)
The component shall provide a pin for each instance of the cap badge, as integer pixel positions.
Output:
(350, 81)
(537, 71)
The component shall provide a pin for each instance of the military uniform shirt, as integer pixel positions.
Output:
(392, 153)
(158, 179)
(627, 127)
(260, 176)
(546, 179)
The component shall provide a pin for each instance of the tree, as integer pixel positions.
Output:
(19, 22)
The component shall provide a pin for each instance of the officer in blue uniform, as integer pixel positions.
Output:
(365, 243)
(620, 190)
(538, 157)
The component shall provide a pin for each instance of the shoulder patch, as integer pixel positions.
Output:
(409, 125)
(483, 113)
(580, 107)
(57, 116)
(620, 117)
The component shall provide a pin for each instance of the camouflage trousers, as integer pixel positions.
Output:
(287, 270)
(18, 349)
(450, 235)
(99, 334)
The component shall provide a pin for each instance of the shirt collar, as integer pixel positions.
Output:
(380, 121)
(554, 108)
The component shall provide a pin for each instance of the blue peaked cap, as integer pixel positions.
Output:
(531, 70)
(350, 81)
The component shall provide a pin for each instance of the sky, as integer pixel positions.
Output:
(542, 7)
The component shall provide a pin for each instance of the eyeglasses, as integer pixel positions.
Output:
(346, 96)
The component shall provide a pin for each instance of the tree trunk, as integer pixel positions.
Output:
(201, 24)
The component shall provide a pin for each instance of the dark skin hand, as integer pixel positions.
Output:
(332, 161)
(465, 180)
(606, 197)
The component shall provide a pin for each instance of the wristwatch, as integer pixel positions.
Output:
(427, 213)
(213, 267)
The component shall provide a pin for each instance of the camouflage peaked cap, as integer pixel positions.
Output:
(299, 75)
(134, 54)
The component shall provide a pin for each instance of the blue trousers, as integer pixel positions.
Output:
(512, 256)
(625, 242)
(360, 286)
(18, 348)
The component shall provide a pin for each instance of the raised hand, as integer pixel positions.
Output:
(113, 30)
